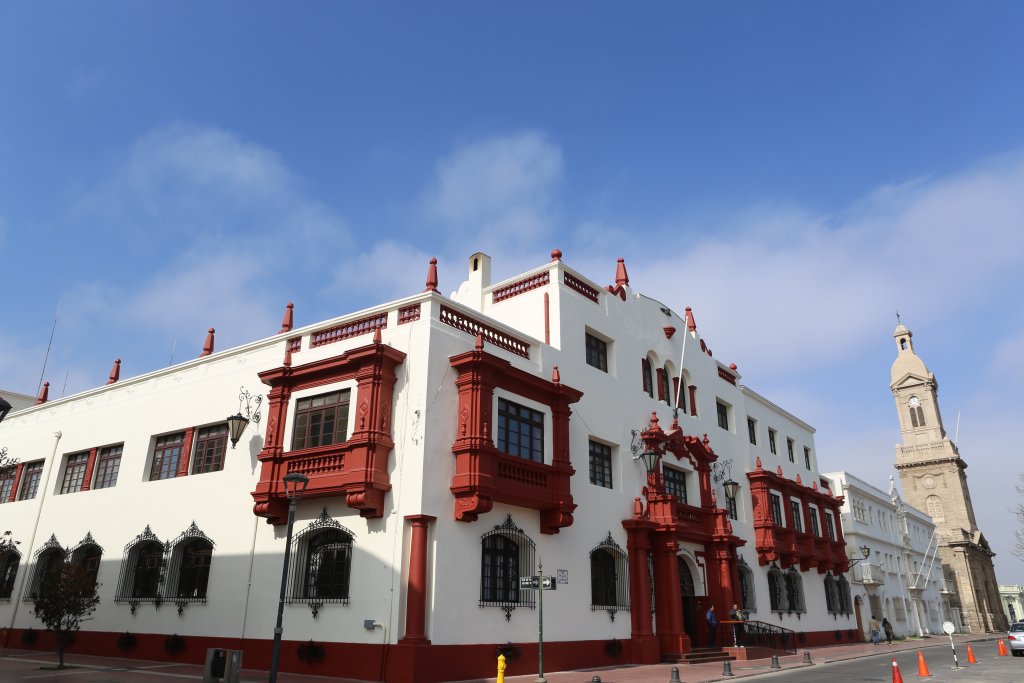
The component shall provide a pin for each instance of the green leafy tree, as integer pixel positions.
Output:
(67, 597)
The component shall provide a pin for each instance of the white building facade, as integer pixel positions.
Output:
(901, 579)
(452, 445)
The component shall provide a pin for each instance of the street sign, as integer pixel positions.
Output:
(563, 576)
(534, 582)
(948, 627)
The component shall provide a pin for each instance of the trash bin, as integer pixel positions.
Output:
(216, 662)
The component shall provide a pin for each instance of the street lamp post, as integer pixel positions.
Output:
(295, 486)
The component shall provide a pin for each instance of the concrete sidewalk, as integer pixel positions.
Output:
(24, 665)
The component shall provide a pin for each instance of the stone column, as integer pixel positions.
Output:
(416, 591)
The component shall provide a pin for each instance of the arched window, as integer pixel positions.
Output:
(794, 591)
(845, 603)
(648, 377)
(831, 594)
(322, 564)
(49, 559)
(141, 570)
(506, 554)
(10, 560)
(609, 585)
(747, 587)
(777, 590)
(934, 508)
(189, 570)
(88, 555)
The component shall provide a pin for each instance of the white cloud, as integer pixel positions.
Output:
(500, 190)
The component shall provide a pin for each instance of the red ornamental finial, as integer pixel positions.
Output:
(479, 346)
(432, 276)
(287, 357)
(798, 480)
(757, 463)
(814, 485)
(779, 471)
(638, 507)
(691, 324)
(556, 377)
(44, 393)
(669, 331)
(654, 420)
(115, 372)
(556, 254)
(286, 323)
(376, 337)
(621, 277)
(208, 344)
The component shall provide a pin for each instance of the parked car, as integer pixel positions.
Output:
(1015, 639)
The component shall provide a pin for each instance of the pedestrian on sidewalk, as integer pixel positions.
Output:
(887, 627)
(712, 620)
(874, 630)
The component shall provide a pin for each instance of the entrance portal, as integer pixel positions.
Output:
(688, 594)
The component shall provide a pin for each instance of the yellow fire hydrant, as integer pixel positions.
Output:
(501, 668)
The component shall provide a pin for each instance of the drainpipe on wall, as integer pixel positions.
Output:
(32, 538)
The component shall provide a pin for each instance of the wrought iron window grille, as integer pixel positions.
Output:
(190, 558)
(609, 578)
(143, 571)
(506, 553)
(321, 569)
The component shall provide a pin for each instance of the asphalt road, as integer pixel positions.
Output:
(878, 669)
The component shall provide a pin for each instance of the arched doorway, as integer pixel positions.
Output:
(857, 602)
(688, 594)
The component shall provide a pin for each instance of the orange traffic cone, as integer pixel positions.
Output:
(896, 676)
(970, 655)
(922, 667)
(1002, 649)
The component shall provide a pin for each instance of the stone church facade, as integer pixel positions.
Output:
(934, 479)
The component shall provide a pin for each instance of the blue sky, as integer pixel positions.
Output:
(796, 172)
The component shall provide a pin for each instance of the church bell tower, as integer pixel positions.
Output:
(934, 479)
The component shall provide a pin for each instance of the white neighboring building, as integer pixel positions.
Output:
(1012, 597)
(451, 445)
(901, 579)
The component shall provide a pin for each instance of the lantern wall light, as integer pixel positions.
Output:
(238, 422)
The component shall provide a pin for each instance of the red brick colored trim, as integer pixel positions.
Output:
(484, 475)
(357, 468)
(521, 286)
(90, 465)
(580, 287)
(408, 314)
(348, 330)
(466, 323)
(727, 376)
(186, 453)
(17, 483)
(416, 587)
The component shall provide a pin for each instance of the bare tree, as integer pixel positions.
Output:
(67, 597)
(7, 466)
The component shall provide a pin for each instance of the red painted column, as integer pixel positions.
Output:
(416, 591)
(17, 483)
(638, 544)
(668, 612)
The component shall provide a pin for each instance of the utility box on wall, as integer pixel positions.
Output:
(222, 666)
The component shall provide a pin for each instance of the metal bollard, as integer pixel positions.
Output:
(727, 668)
(775, 662)
(675, 675)
(595, 679)
(807, 657)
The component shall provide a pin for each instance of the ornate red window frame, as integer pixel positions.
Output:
(484, 475)
(356, 468)
(785, 545)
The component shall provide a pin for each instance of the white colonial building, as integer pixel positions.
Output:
(452, 445)
(901, 578)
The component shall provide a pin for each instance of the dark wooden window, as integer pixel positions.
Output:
(9, 562)
(520, 431)
(30, 476)
(146, 574)
(194, 574)
(776, 509)
(48, 564)
(321, 420)
(794, 591)
(597, 353)
(675, 483)
(211, 446)
(807, 457)
(88, 558)
(602, 578)
(789, 447)
(730, 507)
(747, 587)
(600, 465)
(74, 473)
(771, 442)
(776, 590)
(499, 570)
(108, 464)
(663, 392)
(831, 526)
(648, 377)
(723, 415)
(798, 515)
(680, 397)
(752, 430)
(328, 565)
(831, 594)
(167, 456)
(815, 528)
(6, 485)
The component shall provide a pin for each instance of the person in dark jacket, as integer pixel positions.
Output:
(887, 627)
(712, 620)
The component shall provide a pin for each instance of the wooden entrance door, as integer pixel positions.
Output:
(857, 602)
(688, 594)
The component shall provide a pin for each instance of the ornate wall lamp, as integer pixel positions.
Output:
(238, 422)
(865, 553)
